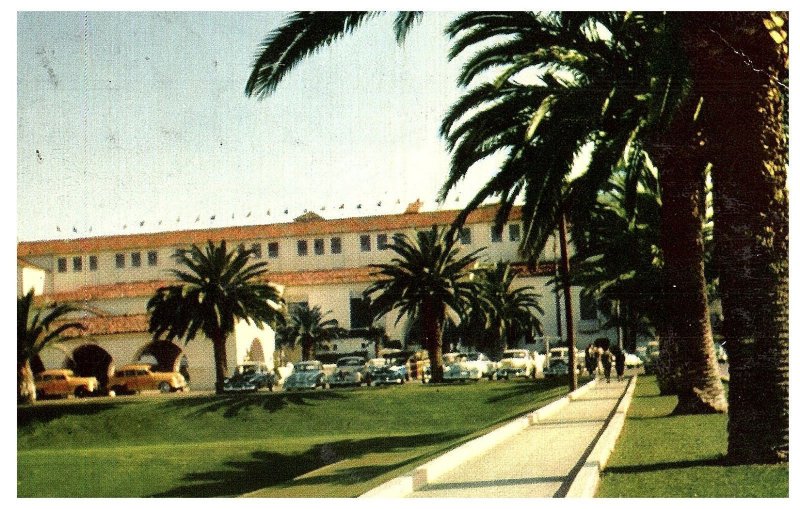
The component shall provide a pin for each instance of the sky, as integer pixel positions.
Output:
(138, 122)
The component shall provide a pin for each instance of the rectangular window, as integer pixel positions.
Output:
(336, 245)
(513, 232)
(319, 247)
(120, 260)
(256, 249)
(383, 242)
(302, 247)
(366, 245)
(92, 262)
(152, 258)
(466, 236)
(62, 264)
(77, 264)
(359, 313)
(272, 249)
(588, 308)
(136, 259)
(497, 233)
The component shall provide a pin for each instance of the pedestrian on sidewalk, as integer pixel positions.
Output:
(619, 362)
(591, 360)
(606, 359)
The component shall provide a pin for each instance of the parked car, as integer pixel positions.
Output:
(450, 358)
(558, 366)
(482, 363)
(562, 353)
(349, 371)
(390, 374)
(133, 378)
(460, 371)
(516, 362)
(64, 383)
(250, 377)
(306, 375)
(371, 366)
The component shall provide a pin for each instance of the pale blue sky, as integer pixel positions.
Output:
(131, 117)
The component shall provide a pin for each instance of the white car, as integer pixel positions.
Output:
(561, 353)
(516, 362)
(349, 371)
(486, 366)
(461, 371)
(632, 361)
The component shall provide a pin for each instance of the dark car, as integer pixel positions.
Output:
(250, 377)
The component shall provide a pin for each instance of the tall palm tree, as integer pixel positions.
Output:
(739, 62)
(308, 328)
(34, 333)
(426, 280)
(217, 288)
(511, 313)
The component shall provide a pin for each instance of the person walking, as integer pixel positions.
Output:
(606, 359)
(591, 360)
(619, 362)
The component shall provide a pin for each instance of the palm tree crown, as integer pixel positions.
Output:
(218, 288)
(308, 327)
(426, 280)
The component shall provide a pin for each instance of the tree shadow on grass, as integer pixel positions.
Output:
(233, 404)
(265, 468)
(46, 412)
(668, 465)
(505, 392)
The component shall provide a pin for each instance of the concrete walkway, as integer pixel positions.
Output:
(542, 459)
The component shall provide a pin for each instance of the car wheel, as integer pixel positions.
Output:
(81, 392)
(164, 387)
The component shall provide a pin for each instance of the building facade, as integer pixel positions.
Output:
(320, 262)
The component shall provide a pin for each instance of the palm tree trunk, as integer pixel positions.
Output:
(432, 318)
(687, 359)
(739, 67)
(26, 389)
(220, 360)
(306, 348)
(573, 372)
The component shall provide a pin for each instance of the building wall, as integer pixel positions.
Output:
(30, 278)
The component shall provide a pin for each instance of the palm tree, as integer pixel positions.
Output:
(510, 313)
(607, 84)
(308, 328)
(427, 280)
(33, 335)
(739, 62)
(218, 288)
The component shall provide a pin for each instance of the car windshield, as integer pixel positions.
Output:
(353, 361)
(306, 367)
(513, 355)
(248, 370)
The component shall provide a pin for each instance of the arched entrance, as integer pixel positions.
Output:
(164, 355)
(91, 360)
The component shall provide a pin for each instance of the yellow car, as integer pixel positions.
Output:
(134, 378)
(63, 382)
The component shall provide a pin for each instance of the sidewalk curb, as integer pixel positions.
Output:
(588, 478)
(435, 468)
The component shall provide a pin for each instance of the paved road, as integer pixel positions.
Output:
(541, 460)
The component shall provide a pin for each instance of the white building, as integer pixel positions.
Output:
(321, 262)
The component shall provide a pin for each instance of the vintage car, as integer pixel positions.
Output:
(349, 371)
(133, 378)
(461, 371)
(632, 361)
(390, 373)
(250, 377)
(306, 375)
(516, 362)
(63, 382)
(558, 366)
(562, 353)
(484, 364)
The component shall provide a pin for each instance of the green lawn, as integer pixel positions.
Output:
(321, 444)
(659, 455)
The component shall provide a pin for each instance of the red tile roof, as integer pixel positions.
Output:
(25, 263)
(103, 325)
(409, 220)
